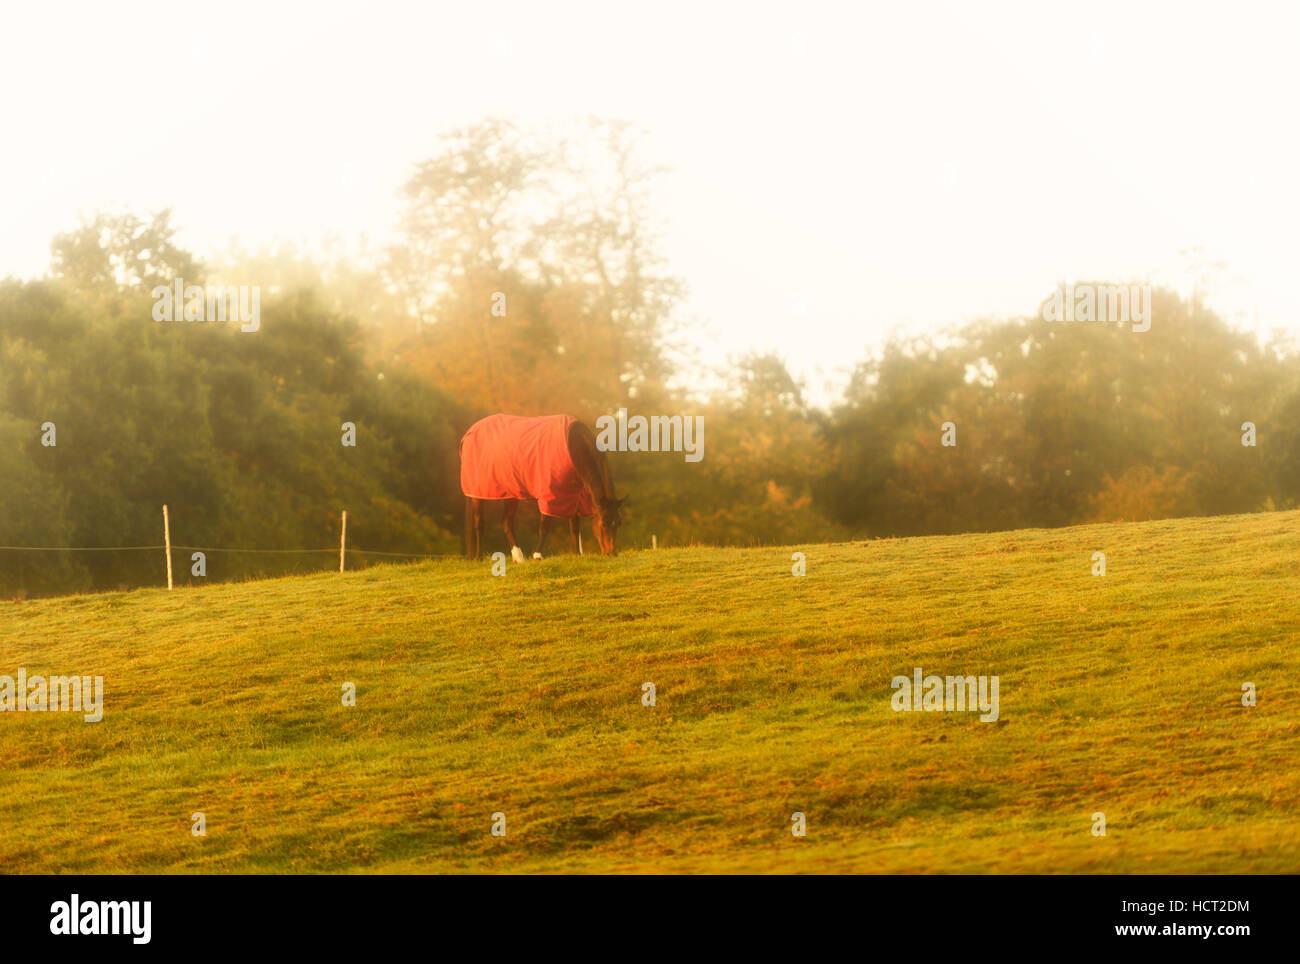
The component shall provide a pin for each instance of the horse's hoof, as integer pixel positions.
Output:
(537, 557)
(516, 554)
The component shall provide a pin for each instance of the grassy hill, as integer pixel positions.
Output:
(1119, 694)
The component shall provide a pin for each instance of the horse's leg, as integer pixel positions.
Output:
(508, 523)
(474, 528)
(542, 528)
(575, 532)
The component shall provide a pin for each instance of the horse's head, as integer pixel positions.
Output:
(606, 522)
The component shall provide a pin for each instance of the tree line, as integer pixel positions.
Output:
(528, 277)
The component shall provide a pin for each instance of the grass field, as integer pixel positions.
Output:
(1119, 694)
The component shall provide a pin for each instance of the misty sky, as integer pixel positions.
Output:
(837, 170)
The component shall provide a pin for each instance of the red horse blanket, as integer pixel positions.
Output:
(510, 457)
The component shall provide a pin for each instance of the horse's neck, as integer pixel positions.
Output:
(592, 466)
(601, 486)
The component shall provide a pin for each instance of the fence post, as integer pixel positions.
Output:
(167, 541)
(654, 542)
(343, 539)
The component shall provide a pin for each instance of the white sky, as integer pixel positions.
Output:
(838, 170)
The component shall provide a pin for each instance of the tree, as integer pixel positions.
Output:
(532, 271)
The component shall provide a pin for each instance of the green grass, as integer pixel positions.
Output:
(522, 694)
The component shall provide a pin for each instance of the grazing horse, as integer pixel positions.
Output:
(552, 459)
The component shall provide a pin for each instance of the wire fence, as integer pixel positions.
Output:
(81, 548)
(168, 547)
(351, 552)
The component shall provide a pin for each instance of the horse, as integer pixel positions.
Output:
(550, 459)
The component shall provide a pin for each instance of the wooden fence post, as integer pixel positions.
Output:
(167, 541)
(343, 539)
(654, 542)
